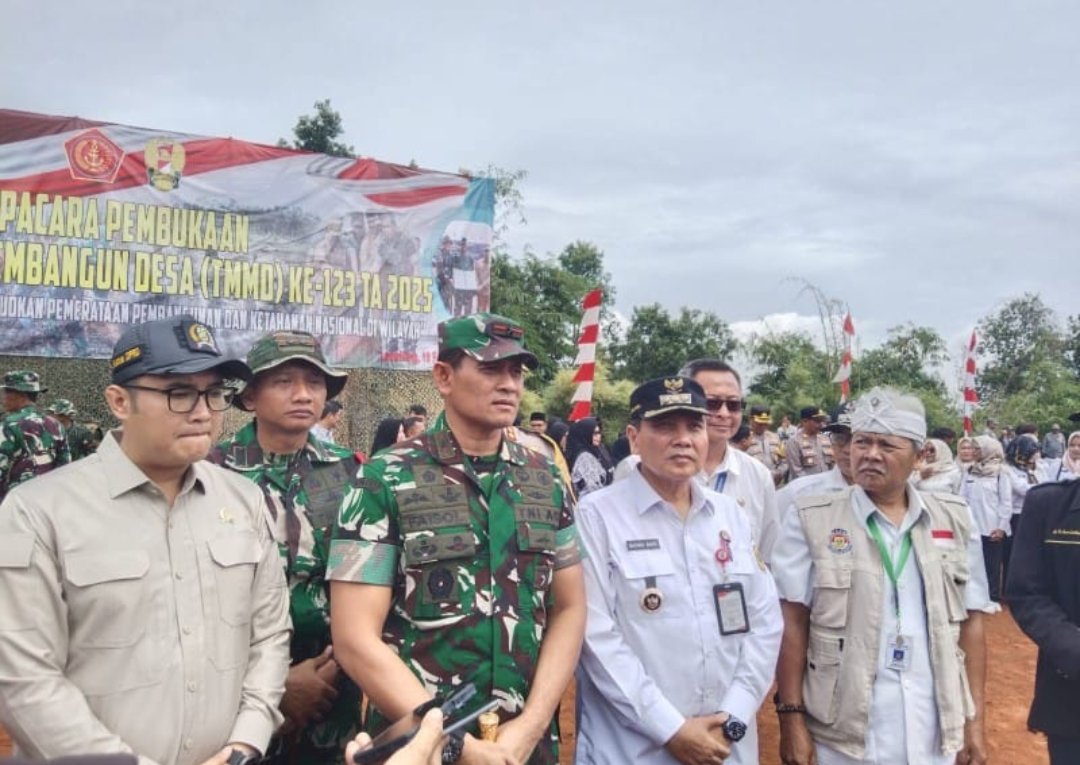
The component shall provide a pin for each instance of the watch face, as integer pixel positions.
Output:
(734, 729)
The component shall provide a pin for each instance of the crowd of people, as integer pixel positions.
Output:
(277, 597)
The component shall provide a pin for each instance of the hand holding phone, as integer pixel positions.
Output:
(406, 730)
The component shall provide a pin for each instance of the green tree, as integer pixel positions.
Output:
(656, 343)
(318, 132)
(546, 300)
(1012, 342)
(792, 373)
(907, 360)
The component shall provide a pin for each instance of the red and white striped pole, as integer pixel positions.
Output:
(586, 357)
(971, 396)
(843, 375)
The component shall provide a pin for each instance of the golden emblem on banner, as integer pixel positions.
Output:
(165, 162)
(93, 157)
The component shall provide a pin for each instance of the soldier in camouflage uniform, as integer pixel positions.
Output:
(82, 441)
(31, 442)
(459, 550)
(304, 481)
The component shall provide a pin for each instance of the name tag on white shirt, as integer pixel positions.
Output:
(731, 612)
(899, 653)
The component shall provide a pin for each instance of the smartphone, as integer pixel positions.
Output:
(404, 730)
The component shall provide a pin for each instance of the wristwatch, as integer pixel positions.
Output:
(734, 729)
(240, 757)
(452, 749)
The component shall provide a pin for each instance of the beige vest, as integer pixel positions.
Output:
(846, 618)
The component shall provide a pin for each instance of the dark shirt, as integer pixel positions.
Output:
(1043, 591)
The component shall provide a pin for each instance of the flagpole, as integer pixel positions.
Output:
(586, 356)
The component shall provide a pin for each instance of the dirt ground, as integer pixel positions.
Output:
(1011, 676)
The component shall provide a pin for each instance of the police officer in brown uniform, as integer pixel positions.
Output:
(809, 450)
(765, 445)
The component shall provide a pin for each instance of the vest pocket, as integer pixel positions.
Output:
(822, 673)
(955, 576)
(832, 589)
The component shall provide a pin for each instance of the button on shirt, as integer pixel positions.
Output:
(643, 672)
(127, 625)
(903, 727)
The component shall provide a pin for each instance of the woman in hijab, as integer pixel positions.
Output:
(988, 492)
(387, 433)
(939, 471)
(965, 453)
(590, 467)
(1067, 467)
(556, 431)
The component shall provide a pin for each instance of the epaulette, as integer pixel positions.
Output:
(947, 496)
(809, 501)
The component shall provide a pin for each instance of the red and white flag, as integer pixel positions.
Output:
(971, 396)
(586, 357)
(843, 375)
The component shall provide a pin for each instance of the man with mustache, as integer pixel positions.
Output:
(459, 560)
(304, 481)
(142, 604)
(683, 623)
(878, 598)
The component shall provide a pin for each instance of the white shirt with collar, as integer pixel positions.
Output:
(746, 481)
(643, 672)
(903, 727)
(750, 484)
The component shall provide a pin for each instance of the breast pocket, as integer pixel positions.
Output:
(118, 627)
(440, 584)
(106, 597)
(233, 559)
(648, 585)
(832, 591)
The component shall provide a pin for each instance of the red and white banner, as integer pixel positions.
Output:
(971, 396)
(843, 375)
(105, 225)
(586, 357)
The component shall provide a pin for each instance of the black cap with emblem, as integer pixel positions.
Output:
(667, 394)
(177, 346)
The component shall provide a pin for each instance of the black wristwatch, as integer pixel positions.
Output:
(240, 757)
(734, 729)
(451, 751)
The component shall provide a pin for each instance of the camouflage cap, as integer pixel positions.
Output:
(277, 348)
(62, 406)
(486, 337)
(23, 381)
(177, 346)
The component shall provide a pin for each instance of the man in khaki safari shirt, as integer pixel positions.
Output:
(143, 607)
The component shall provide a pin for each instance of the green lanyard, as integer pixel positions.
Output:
(892, 571)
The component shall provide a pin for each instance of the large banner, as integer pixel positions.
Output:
(103, 225)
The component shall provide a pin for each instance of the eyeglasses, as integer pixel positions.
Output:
(184, 400)
(734, 405)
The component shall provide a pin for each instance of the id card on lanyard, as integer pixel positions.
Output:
(899, 646)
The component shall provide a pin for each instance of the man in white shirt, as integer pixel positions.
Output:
(683, 621)
(730, 472)
(867, 576)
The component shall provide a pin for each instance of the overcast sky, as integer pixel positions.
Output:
(918, 160)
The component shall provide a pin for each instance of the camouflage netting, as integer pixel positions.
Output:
(369, 396)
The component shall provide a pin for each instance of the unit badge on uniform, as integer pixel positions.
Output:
(839, 541)
(440, 583)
